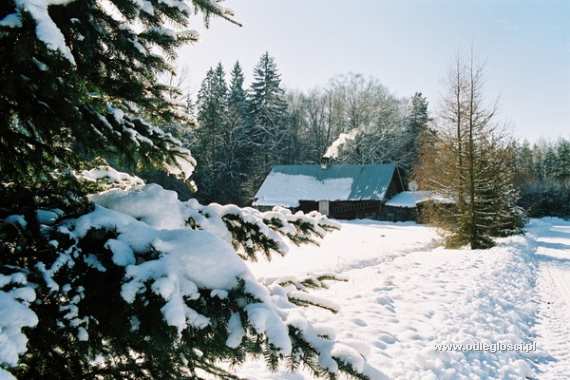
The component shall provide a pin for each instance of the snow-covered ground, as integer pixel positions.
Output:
(405, 296)
(552, 255)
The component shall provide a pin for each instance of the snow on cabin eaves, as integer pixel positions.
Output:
(286, 185)
(410, 199)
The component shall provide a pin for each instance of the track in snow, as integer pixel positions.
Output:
(552, 256)
(404, 296)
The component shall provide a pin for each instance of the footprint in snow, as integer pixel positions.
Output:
(384, 300)
(388, 339)
(390, 308)
(429, 314)
(380, 345)
(359, 322)
(410, 335)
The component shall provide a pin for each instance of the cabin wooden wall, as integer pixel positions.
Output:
(428, 209)
(399, 214)
(307, 206)
(346, 209)
(355, 209)
(396, 185)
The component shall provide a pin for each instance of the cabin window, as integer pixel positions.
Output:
(324, 207)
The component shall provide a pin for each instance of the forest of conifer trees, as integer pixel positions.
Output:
(238, 124)
(242, 131)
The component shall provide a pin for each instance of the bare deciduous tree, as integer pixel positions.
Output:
(467, 160)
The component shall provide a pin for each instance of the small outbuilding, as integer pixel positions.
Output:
(339, 191)
(413, 206)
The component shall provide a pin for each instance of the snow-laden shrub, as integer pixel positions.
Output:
(142, 285)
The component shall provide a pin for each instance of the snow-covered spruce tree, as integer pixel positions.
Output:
(416, 126)
(146, 286)
(208, 142)
(236, 138)
(563, 154)
(507, 217)
(221, 141)
(268, 116)
(78, 79)
(129, 283)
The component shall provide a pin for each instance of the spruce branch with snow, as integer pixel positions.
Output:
(79, 79)
(298, 289)
(132, 289)
(102, 276)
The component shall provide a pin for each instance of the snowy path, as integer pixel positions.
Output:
(359, 244)
(552, 239)
(404, 297)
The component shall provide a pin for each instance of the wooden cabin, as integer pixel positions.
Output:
(377, 191)
(414, 205)
(339, 191)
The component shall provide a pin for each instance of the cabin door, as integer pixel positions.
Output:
(324, 207)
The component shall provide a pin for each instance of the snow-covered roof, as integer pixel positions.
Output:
(410, 199)
(286, 185)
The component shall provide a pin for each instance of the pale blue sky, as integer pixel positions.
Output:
(408, 45)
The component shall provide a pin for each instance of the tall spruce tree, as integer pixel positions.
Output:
(221, 141)
(208, 145)
(550, 163)
(142, 286)
(563, 154)
(416, 126)
(237, 99)
(238, 147)
(267, 114)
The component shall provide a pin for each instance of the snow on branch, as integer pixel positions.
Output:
(155, 252)
(51, 35)
(46, 29)
(107, 178)
(297, 289)
(251, 231)
(117, 127)
(15, 314)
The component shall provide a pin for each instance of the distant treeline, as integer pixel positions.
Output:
(543, 177)
(242, 131)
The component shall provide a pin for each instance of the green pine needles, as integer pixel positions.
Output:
(130, 282)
